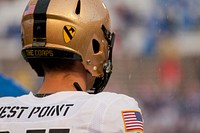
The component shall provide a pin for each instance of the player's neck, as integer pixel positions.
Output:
(55, 82)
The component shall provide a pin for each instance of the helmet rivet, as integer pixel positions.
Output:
(88, 62)
(95, 68)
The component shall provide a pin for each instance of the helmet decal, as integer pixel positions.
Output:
(30, 8)
(68, 33)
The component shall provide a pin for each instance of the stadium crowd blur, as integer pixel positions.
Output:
(156, 58)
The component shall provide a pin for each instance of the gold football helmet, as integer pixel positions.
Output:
(69, 29)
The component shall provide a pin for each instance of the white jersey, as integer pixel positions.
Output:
(70, 112)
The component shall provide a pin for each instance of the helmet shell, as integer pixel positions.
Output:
(72, 26)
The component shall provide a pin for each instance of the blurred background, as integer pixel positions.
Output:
(156, 58)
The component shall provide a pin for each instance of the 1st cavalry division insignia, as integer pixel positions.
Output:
(69, 32)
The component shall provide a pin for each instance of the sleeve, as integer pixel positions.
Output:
(123, 116)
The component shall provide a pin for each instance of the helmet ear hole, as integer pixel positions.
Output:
(96, 46)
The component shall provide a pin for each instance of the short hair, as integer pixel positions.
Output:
(57, 65)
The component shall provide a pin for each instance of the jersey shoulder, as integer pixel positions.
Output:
(120, 109)
(113, 98)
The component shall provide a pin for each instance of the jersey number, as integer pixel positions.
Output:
(43, 131)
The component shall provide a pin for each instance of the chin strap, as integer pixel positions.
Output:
(101, 82)
(77, 86)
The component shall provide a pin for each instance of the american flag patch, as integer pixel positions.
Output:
(133, 121)
(29, 10)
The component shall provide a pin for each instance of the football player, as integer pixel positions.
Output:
(70, 43)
